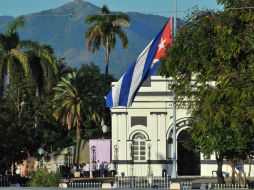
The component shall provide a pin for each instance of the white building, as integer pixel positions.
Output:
(146, 126)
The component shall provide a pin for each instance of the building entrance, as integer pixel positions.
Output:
(188, 161)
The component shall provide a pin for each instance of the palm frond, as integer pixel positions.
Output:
(15, 25)
(22, 58)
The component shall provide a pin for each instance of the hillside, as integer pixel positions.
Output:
(64, 29)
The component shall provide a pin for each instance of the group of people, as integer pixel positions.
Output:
(95, 169)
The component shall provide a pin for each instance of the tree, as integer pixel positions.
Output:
(69, 103)
(106, 27)
(12, 59)
(25, 58)
(236, 3)
(43, 64)
(211, 63)
(92, 81)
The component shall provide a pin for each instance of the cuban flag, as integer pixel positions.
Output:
(124, 91)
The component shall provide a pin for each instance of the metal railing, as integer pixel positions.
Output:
(4, 181)
(90, 185)
(142, 182)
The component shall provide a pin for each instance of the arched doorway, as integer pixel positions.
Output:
(188, 161)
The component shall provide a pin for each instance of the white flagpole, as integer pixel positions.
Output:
(174, 173)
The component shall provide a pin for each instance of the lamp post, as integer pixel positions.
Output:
(174, 172)
(116, 148)
(93, 149)
(40, 151)
(149, 160)
(132, 164)
(92, 159)
(69, 151)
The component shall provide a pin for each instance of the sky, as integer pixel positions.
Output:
(159, 7)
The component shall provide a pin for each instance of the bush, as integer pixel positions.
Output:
(42, 178)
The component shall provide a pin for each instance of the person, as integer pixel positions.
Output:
(18, 170)
(87, 170)
(105, 169)
(111, 168)
(102, 169)
(98, 168)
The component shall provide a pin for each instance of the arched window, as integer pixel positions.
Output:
(139, 147)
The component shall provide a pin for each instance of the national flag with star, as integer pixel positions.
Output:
(124, 91)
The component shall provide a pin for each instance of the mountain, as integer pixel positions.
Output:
(64, 29)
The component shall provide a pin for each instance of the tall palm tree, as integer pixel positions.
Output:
(105, 28)
(25, 58)
(11, 57)
(43, 63)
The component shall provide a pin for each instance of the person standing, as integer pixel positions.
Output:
(98, 168)
(87, 170)
(112, 170)
(105, 169)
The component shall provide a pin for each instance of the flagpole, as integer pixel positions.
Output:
(174, 173)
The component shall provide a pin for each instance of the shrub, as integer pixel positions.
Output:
(42, 178)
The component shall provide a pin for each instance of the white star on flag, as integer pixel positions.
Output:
(162, 44)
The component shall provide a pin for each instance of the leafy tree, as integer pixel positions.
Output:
(18, 133)
(211, 63)
(236, 3)
(92, 80)
(104, 31)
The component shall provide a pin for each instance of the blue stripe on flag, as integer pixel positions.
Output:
(138, 72)
(126, 84)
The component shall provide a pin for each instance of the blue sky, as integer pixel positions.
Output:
(160, 7)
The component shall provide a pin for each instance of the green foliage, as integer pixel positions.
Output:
(212, 65)
(236, 3)
(19, 58)
(42, 178)
(82, 90)
(105, 29)
(20, 137)
(68, 102)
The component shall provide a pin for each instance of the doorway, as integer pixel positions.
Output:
(188, 161)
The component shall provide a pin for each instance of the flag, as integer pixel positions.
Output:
(124, 91)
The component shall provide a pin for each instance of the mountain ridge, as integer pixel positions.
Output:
(64, 27)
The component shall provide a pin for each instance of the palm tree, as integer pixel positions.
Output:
(68, 103)
(11, 58)
(71, 105)
(37, 62)
(106, 27)
(43, 65)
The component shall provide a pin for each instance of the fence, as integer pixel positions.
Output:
(142, 182)
(4, 181)
(89, 185)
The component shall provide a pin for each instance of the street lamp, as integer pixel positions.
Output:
(93, 149)
(69, 150)
(149, 159)
(132, 164)
(40, 151)
(116, 148)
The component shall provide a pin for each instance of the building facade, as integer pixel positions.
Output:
(142, 136)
